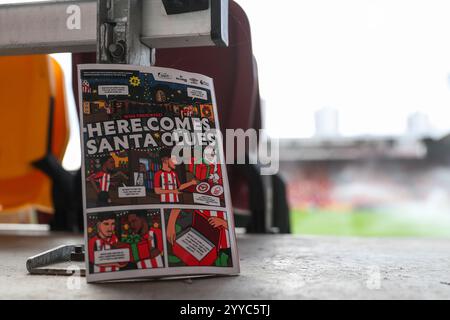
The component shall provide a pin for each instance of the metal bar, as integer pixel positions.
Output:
(22, 227)
(42, 262)
(71, 26)
(44, 27)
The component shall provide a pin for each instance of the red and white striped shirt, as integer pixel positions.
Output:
(187, 111)
(102, 179)
(225, 237)
(98, 244)
(154, 237)
(86, 88)
(167, 180)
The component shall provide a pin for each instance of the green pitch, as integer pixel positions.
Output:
(370, 223)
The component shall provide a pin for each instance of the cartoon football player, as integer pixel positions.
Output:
(217, 219)
(108, 108)
(168, 186)
(150, 246)
(166, 181)
(101, 181)
(105, 239)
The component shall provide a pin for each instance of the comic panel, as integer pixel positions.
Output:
(197, 238)
(131, 125)
(125, 240)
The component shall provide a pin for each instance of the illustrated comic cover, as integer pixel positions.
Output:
(155, 191)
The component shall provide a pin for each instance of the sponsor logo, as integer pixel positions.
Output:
(193, 81)
(217, 190)
(181, 78)
(164, 75)
(203, 187)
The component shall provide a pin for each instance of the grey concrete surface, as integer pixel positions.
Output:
(272, 267)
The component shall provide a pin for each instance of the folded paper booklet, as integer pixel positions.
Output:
(156, 197)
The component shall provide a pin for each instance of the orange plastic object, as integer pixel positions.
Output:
(27, 84)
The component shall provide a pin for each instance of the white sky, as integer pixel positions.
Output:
(72, 157)
(376, 62)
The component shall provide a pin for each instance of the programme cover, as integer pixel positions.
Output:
(156, 197)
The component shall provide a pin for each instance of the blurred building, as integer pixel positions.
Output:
(327, 122)
(418, 125)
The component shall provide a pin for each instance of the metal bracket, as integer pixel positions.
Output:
(118, 33)
(62, 261)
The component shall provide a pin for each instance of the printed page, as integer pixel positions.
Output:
(155, 191)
